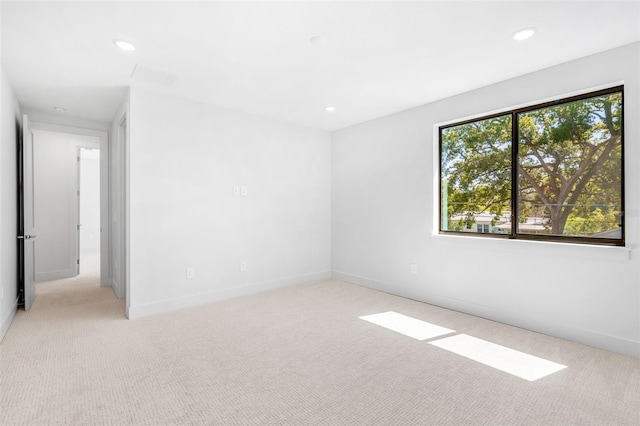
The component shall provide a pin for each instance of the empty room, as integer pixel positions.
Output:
(320, 212)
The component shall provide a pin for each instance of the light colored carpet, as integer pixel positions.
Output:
(292, 356)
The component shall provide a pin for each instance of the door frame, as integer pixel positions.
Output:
(20, 213)
(119, 197)
(119, 212)
(105, 240)
(79, 195)
(26, 224)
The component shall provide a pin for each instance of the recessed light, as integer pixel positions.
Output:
(329, 108)
(524, 33)
(318, 40)
(59, 109)
(124, 45)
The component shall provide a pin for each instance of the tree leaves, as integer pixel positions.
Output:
(569, 149)
(476, 166)
(569, 166)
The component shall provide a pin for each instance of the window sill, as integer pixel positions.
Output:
(543, 248)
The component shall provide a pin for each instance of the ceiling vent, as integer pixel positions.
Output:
(142, 73)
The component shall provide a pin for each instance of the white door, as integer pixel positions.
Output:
(28, 213)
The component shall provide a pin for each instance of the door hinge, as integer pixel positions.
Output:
(77, 261)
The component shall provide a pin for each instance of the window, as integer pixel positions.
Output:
(550, 172)
(483, 228)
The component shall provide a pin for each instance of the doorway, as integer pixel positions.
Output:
(57, 201)
(71, 203)
(88, 211)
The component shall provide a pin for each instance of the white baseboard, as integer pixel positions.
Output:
(163, 306)
(107, 282)
(55, 275)
(6, 321)
(541, 325)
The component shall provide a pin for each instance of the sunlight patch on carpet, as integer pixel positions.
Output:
(412, 327)
(509, 360)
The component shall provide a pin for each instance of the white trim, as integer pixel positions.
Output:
(103, 145)
(528, 104)
(55, 275)
(517, 319)
(121, 163)
(169, 305)
(7, 320)
(476, 241)
(58, 128)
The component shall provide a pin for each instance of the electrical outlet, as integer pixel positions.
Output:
(243, 265)
(243, 190)
(190, 273)
(236, 190)
(414, 268)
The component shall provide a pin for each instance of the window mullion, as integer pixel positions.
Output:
(514, 173)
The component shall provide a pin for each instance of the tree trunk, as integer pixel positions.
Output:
(557, 224)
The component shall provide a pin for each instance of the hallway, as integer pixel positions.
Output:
(79, 293)
(50, 352)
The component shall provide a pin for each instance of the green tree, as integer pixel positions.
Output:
(593, 222)
(569, 165)
(569, 157)
(476, 168)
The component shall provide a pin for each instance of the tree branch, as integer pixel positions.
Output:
(546, 168)
(535, 186)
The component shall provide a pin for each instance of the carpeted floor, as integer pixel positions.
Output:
(294, 356)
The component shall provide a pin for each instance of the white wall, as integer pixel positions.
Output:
(185, 159)
(90, 200)
(56, 203)
(383, 207)
(10, 120)
(62, 119)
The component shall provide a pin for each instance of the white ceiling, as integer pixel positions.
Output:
(378, 57)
